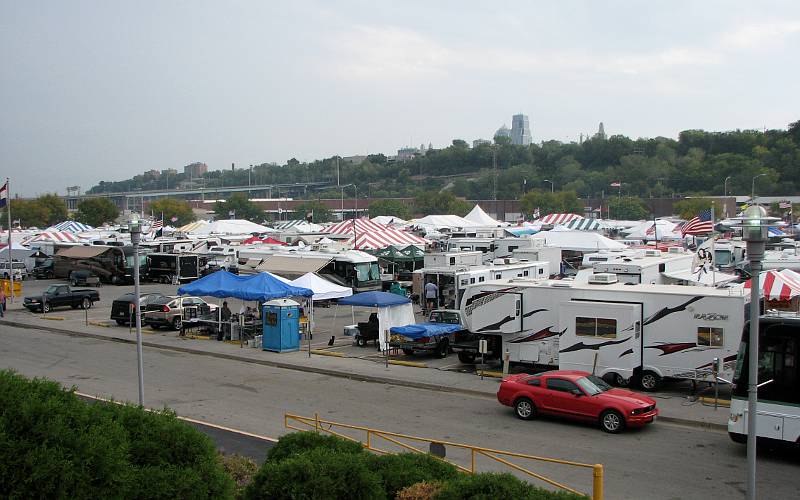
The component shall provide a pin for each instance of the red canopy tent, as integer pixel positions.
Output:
(266, 241)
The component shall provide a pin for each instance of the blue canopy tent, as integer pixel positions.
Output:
(258, 287)
(393, 310)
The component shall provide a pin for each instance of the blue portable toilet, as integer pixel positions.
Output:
(281, 326)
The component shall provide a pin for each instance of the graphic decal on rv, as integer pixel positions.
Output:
(581, 346)
(541, 334)
(672, 348)
(496, 326)
(625, 353)
(531, 313)
(669, 310)
(482, 299)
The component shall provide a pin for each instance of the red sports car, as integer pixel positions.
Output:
(578, 395)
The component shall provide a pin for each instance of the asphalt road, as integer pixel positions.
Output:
(661, 462)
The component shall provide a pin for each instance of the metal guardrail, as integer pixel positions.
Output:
(300, 423)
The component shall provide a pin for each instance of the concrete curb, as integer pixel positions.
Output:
(711, 426)
(263, 362)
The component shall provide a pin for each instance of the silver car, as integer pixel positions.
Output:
(168, 311)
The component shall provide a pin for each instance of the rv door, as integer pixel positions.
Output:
(495, 312)
(603, 338)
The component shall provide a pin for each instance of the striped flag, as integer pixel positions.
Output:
(157, 226)
(702, 224)
(4, 195)
(784, 205)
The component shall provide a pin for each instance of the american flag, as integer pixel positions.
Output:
(156, 226)
(702, 224)
(784, 205)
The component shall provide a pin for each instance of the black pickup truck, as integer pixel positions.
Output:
(60, 296)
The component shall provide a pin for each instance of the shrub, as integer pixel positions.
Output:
(490, 486)
(299, 442)
(316, 474)
(426, 490)
(404, 469)
(54, 445)
(240, 468)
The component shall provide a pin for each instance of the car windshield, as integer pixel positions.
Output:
(52, 289)
(592, 385)
(445, 317)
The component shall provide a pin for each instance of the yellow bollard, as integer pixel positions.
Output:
(597, 489)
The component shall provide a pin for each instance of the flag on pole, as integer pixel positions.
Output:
(4, 195)
(701, 224)
(783, 205)
(157, 227)
(536, 213)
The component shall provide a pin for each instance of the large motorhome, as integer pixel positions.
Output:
(492, 248)
(645, 266)
(453, 280)
(618, 331)
(112, 264)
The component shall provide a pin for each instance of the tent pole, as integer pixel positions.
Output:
(310, 323)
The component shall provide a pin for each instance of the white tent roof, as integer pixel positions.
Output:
(644, 231)
(233, 226)
(580, 241)
(322, 288)
(443, 221)
(481, 218)
(389, 220)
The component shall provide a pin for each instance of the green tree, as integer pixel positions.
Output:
(440, 203)
(55, 206)
(690, 207)
(29, 213)
(627, 208)
(173, 208)
(241, 207)
(317, 209)
(550, 203)
(394, 208)
(96, 211)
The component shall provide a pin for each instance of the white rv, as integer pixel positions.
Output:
(615, 330)
(645, 266)
(491, 248)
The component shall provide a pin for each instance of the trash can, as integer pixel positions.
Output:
(281, 326)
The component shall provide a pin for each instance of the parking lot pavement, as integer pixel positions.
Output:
(363, 363)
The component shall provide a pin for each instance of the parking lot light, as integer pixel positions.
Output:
(135, 229)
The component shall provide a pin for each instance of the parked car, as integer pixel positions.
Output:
(169, 310)
(83, 277)
(121, 307)
(60, 296)
(436, 335)
(44, 270)
(577, 395)
(19, 270)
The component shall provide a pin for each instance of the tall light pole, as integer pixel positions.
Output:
(342, 188)
(552, 186)
(754, 224)
(725, 186)
(753, 189)
(135, 228)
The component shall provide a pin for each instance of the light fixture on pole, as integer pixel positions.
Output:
(552, 186)
(135, 228)
(754, 224)
(753, 188)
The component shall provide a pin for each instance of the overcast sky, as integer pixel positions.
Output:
(105, 89)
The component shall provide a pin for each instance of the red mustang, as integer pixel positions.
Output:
(578, 395)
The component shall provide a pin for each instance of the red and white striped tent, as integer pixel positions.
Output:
(58, 236)
(375, 240)
(778, 285)
(361, 225)
(559, 218)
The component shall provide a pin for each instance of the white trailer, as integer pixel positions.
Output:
(618, 331)
(491, 248)
(649, 266)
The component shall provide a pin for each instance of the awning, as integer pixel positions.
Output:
(293, 266)
(82, 252)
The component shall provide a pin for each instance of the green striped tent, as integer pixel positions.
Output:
(583, 225)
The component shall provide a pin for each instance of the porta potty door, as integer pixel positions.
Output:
(600, 337)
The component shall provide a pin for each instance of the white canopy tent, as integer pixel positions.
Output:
(579, 241)
(481, 218)
(664, 230)
(322, 288)
(437, 222)
(232, 226)
(389, 220)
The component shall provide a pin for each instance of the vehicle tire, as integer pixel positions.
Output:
(86, 303)
(612, 422)
(121, 322)
(177, 323)
(442, 349)
(466, 357)
(649, 381)
(361, 342)
(46, 308)
(115, 280)
(74, 306)
(621, 381)
(524, 409)
(408, 352)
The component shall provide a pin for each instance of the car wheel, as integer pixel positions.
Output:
(177, 323)
(612, 422)
(621, 381)
(466, 357)
(650, 381)
(442, 349)
(121, 322)
(525, 409)
(46, 308)
(408, 352)
(86, 303)
(361, 341)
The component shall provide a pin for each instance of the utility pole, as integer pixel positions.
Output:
(494, 167)
(337, 172)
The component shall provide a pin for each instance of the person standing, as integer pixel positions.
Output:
(431, 295)
(225, 317)
(2, 301)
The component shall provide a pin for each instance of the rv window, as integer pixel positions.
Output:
(464, 282)
(497, 276)
(596, 327)
(525, 273)
(711, 337)
(472, 280)
(559, 384)
(452, 261)
(480, 280)
(541, 271)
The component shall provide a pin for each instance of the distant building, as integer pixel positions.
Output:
(169, 171)
(196, 169)
(503, 132)
(355, 159)
(405, 154)
(520, 130)
(601, 132)
(478, 142)
(153, 173)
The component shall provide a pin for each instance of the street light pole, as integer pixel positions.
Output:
(725, 186)
(135, 229)
(753, 188)
(552, 186)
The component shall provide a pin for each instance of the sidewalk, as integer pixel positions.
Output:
(675, 408)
